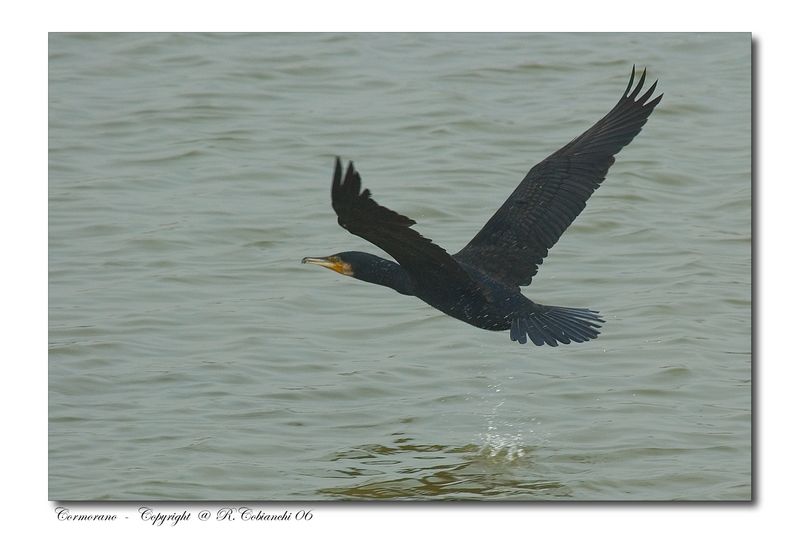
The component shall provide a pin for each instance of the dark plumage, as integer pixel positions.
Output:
(481, 283)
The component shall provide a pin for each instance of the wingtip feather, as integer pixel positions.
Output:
(630, 81)
(337, 167)
(649, 92)
(639, 85)
(337, 177)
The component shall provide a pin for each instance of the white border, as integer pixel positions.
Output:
(24, 91)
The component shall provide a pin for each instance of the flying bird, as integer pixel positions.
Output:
(480, 284)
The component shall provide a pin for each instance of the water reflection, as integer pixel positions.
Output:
(436, 471)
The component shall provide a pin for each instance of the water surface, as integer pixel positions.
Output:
(192, 356)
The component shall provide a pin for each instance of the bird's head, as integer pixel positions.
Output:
(366, 267)
(343, 262)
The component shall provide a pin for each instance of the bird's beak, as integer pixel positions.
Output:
(332, 262)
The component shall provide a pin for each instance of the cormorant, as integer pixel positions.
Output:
(481, 283)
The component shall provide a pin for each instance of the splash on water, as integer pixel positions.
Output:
(508, 437)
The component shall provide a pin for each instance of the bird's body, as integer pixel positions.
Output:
(480, 284)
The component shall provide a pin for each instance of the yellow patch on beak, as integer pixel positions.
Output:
(332, 262)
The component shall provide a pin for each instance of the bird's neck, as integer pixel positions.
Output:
(389, 274)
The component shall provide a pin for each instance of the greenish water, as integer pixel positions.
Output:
(192, 356)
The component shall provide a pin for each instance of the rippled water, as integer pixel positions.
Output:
(192, 356)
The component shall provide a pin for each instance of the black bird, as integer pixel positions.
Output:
(481, 284)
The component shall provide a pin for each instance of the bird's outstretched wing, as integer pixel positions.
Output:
(515, 241)
(359, 214)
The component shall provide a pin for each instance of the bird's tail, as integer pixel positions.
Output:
(552, 325)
